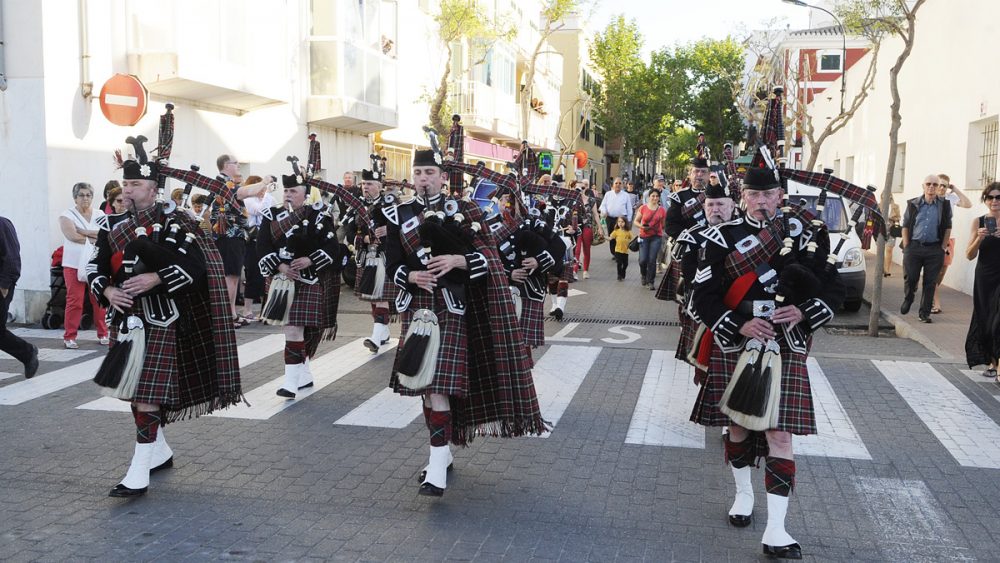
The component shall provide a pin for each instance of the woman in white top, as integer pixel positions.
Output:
(79, 228)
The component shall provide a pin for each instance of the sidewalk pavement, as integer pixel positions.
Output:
(945, 336)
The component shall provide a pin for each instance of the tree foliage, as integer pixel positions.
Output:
(463, 21)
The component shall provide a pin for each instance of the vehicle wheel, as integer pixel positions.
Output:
(52, 321)
(852, 306)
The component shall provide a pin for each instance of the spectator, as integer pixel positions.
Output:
(649, 220)
(177, 196)
(659, 184)
(79, 228)
(117, 199)
(956, 198)
(632, 194)
(108, 205)
(895, 231)
(588, 219)
(10, 272)
(620, 237)
(982, 344)
(199, 205)
(253, 291)
(677, 186)
(713, 178)
(615, 204)
(926, 230)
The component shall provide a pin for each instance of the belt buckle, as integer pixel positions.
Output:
(763, 308)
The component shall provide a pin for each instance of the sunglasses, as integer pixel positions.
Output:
(931, 184)
(119, 200)
(993, 197)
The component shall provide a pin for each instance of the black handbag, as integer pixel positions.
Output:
(896, 231)
(633, 245)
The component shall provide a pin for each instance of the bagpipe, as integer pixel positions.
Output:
(372, 283)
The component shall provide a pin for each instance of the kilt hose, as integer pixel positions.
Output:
(191, 366)
(533, 321)
(795, 412)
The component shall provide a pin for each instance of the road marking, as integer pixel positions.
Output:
(628, 335)
(913, 523)
(836, 435)
(250, 352)
(60, 355)
(660, 416)
(561, 335)
(54, 334)
(326, 369)
(387, 409)
(574, 292)
(558, 375)
(968, 433)
(45, 383)
(5, 375)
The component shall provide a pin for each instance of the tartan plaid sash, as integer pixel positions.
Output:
(745, 260)
(689, 210)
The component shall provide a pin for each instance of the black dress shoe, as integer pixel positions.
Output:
(905, 307)
(31, 368)
(306, 386)
(282, 392)
(165, 465)
(429, 490)
(793, 551)
(122, 491)
(423, 473)
(741, 521)
(557, 314)
(926, 320)
(371, 345)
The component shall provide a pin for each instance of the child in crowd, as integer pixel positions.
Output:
(622, 235)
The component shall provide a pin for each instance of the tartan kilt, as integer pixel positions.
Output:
(686, 339)
(533, 322)
(389, 289)
(451, 371)
(316, 305)
(795, 413)
(667, 290)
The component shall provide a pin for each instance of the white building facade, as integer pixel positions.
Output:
(248, 78)
(950, 109)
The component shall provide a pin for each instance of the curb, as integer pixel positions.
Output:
(906, 329)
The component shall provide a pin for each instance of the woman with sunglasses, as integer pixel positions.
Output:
(982, 345)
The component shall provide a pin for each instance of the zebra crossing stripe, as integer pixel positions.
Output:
(251, 352)
(558, 375)
(968, 433)
(836, 435)
(387, 409)
(50, 382)
(326, 369)
(660, 417)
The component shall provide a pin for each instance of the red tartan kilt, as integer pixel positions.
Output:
(316, 305)
(389, 289)
(686, 340)
(451, 372)
(795, 414)
(533, 321)
(667, 290)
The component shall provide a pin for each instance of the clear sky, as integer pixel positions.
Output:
(667, 22)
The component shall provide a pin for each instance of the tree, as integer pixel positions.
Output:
(463, 20)
(616, 55)
(713, 66)
(552, 15)
(899, 19)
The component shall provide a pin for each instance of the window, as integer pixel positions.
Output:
(836, 168)
(899, 171)
(829, 61)
(988, 166)
(849, 169)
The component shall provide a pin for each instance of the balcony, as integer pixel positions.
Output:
(484, 109)
(352, 88)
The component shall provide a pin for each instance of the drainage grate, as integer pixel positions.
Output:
(590, 319)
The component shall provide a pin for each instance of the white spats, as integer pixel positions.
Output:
(743, 503)
(947, 412)
(775, 534)
(138, 471)
(437, 466)
(661, 414)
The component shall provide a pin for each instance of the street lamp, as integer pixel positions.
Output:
(843, 51)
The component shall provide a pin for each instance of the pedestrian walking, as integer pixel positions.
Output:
(982, 344)
(649, 219)
(926, 232)
(621, 237)
(616, 204)
(10, 272)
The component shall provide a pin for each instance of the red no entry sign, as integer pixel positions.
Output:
(124, 99)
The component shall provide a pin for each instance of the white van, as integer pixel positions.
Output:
(851, 258)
